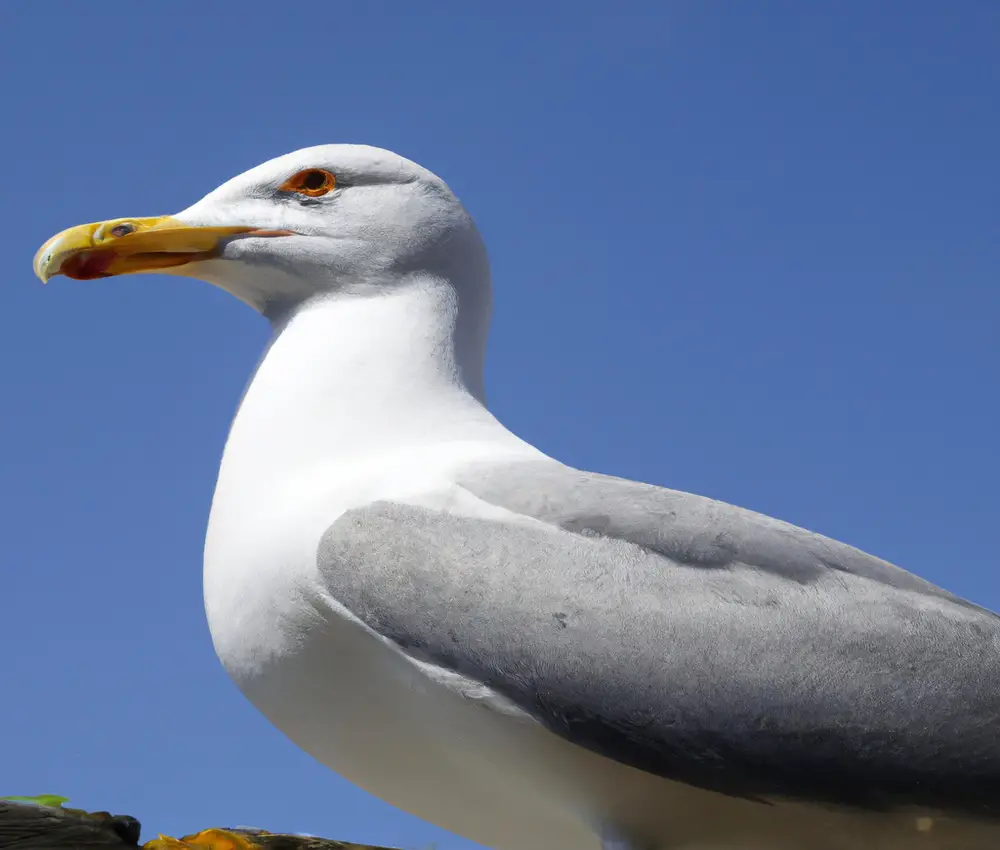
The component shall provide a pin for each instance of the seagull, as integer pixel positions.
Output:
(533, 656)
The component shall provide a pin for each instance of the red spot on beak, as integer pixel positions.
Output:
(88, 265)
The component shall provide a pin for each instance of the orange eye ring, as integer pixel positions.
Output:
(312, 182)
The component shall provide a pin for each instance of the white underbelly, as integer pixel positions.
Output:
(369, 714)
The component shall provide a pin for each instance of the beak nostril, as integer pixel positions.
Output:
(122, 229)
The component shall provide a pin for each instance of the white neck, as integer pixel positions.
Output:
(351, 376)
(358, 398)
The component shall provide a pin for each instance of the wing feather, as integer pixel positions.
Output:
(689, 638)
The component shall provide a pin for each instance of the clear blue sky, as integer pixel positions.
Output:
(747, 249)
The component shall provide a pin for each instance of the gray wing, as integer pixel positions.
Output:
(690, 639)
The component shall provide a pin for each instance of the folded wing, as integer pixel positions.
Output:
(689, 638)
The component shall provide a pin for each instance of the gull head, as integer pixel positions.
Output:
(319, 221)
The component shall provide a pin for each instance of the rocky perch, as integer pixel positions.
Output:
(31, 826)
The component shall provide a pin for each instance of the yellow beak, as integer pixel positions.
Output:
(131, 245)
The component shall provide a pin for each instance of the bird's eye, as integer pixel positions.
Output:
(313, 182)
